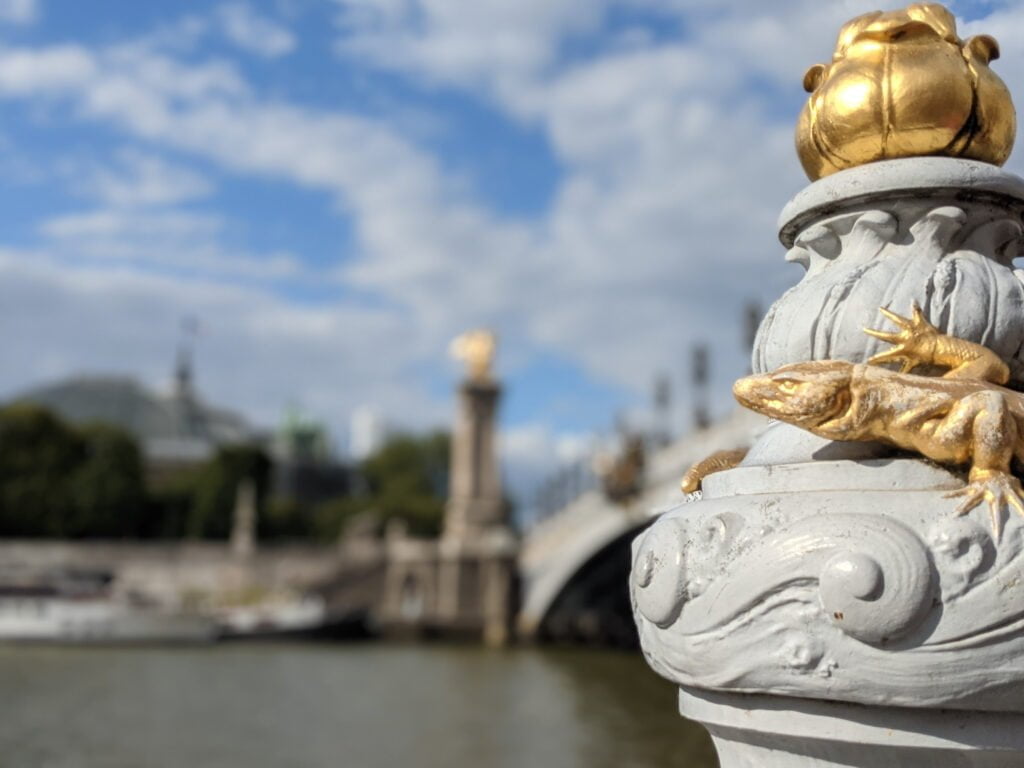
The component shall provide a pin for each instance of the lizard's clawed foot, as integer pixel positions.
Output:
(913, 344)
(1000, 489)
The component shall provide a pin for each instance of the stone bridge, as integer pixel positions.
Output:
(574, 565)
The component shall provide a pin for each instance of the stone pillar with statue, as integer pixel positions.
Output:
(242, 541)
(477, 548)
(849, 592)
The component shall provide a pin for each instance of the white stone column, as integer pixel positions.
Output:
(476, 552)
(243, 519)
(822, 604)
(475, 500)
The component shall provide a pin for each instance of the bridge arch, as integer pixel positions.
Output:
(593, 606)
(574, 565)
(575, 574)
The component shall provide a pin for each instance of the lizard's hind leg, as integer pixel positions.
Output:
(984, 422)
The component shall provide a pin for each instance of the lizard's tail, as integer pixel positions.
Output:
(719, 461)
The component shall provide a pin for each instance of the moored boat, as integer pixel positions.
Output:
(81, 607)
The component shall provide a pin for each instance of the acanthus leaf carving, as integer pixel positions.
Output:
(954, 260)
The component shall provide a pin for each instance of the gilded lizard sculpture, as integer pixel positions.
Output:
(965, 416)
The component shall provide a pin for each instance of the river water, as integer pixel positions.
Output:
(356, 706)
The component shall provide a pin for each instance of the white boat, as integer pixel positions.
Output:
(80, 607)
(295, 615)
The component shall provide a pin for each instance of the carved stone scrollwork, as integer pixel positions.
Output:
(862, 596)
(877, 597)
(660, 574)
(872, 576)
(962, 550)
(868, 577)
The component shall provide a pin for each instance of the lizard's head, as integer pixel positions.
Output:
(805, 394)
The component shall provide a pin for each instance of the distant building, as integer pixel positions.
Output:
(305, 470)
(366, 433)
(175, 430)
(178, 431)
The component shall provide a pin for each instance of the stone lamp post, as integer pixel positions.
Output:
(826, 602)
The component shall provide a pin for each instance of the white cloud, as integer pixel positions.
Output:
(677, 161)
(623, 269)
(44, 71)
(19, 11)
(482, 42)
(255, 33)
(166, 242)
(138, 179)
(257, 352)
(119, 224)
(401, 205)
(139, 222)
(676, 157)
(539, 444)
(507, 49)
(533, 454)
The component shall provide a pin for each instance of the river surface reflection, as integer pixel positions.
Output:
(358, 706)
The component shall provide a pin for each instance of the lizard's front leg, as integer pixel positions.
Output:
(981, 428)
(918, 342)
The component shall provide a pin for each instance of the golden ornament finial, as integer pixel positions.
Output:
(902, 84)
(476, 349)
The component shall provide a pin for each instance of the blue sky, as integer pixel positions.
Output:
(335, 188)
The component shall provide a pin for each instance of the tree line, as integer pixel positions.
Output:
(59, 480)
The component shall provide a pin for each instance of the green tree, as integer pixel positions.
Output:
(60, 481)
(107, 485)
(168, 507)
(330, 518)
(286, 519)
(406, 479)
(38, 453)
(213, 500)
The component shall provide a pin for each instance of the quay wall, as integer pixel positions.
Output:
(176, 573)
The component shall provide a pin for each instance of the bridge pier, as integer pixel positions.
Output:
(465, 583)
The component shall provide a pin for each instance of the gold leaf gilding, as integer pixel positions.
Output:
(903, 84)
